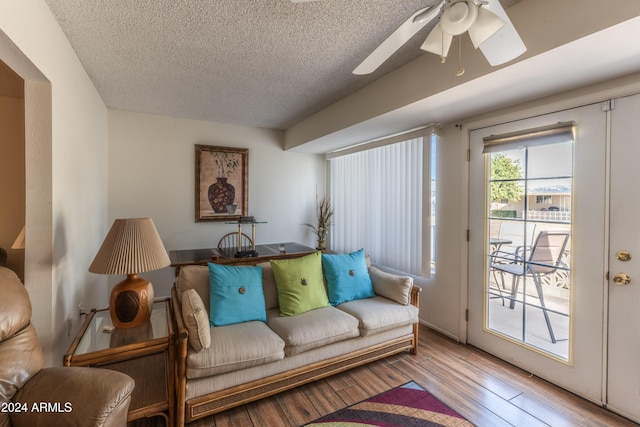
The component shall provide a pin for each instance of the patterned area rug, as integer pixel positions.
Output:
(407, 406)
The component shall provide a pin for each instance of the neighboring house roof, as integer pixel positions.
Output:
(559, 189)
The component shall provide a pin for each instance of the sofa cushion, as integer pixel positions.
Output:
(312, 329)
(196, 320)
(197, 277)
(236, 294)
(235, 347)
(269, 286)
(194, 277)
(396, 288)
(379, 314)
(300, 284)
(347, 277)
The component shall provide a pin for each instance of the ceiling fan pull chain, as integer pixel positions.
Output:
(460, 70)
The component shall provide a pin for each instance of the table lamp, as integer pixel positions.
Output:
(20, 240)
(132, 246)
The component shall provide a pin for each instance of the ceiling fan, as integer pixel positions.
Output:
(486, 22)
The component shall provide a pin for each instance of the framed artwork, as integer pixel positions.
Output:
(222, 179)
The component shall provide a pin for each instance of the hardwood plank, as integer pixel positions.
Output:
(340, 381)
(543, 412)
(477, 414)
(267, 412)
(298, 408)
(236, 417)
(473, 373)
(353, 394)
(367, 379)
(482, 388)
(324, 398)
(563, 401)
(392, 376)
(470, 390)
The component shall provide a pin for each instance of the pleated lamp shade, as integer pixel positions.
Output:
(132, 246)
(20, 240)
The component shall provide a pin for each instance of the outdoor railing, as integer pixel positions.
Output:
(555, 216)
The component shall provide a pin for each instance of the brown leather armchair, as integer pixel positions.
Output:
(33, 396)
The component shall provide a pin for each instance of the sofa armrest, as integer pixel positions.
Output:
(80, 396)
(182, 335)
(415, 296)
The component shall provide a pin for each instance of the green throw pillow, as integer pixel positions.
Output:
(300, 284)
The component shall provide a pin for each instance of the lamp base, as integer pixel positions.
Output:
(131, 302)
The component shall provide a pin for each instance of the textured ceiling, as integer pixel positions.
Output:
(264, 63)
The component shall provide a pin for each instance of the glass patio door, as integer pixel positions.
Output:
(528, 216)
(536, 252)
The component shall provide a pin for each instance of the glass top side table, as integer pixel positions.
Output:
(145, 353)
(102, 335)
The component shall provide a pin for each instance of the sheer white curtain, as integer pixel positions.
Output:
(377, 196)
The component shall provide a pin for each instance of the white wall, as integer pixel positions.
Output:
(66, 199)
(152, 173)
(441, 294)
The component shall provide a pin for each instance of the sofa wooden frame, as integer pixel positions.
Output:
(212, 403)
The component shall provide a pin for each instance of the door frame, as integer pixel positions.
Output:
(600, 93)
(596, 93)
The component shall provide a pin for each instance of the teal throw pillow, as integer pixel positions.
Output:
(347, 277)
(235, 295)
(300, 284)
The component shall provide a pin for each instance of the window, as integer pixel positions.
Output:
(543, 200)
(528, 285)
(377, 195)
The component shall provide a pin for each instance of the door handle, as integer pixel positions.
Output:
(623, 256)
(621, 279)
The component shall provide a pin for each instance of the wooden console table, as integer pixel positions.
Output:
(180, 258)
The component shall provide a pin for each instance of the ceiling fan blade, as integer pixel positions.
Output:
(486, 25)
(505, 44)
(408, 29)
(437, 42)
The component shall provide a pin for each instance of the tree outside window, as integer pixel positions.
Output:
(505, 179)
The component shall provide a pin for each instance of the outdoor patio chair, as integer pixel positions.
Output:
(513, 238)
(544, 258)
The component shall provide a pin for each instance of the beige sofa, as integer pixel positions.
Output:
(254, 359)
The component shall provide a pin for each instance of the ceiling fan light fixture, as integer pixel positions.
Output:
(437, 42)
(459, 17)
(486, 25)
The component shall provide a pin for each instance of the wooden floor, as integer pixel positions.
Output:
(484, 389)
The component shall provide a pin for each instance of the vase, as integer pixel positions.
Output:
(221, 194)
